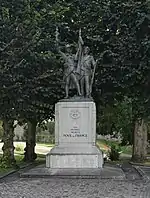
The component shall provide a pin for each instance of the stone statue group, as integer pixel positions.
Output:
(79, 68)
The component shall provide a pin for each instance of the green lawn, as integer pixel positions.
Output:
(45, 144)
(126, 149)
(20, 163)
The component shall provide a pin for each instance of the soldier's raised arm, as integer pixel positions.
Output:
(80, 38)
(80, 45)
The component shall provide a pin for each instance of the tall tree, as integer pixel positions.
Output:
(118, 33)
(28, 86)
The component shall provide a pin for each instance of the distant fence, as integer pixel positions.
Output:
(45, 138)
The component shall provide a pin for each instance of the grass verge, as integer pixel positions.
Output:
(20, 163)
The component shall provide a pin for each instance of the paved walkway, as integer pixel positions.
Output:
(73, 188)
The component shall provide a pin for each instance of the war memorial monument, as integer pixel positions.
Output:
(75, 117)
(75, 153)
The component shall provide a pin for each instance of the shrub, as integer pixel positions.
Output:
(19, 147)
(114, 153)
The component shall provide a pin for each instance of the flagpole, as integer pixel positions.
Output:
(79, 52)
(93, 74)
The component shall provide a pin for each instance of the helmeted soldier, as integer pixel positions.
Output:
(87, 69)
(70, 78)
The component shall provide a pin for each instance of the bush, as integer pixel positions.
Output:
(19, 147)
(114, 153)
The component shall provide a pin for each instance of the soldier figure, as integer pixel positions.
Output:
(86, 67)
(79, 69)
(70, 78)
(87, 71)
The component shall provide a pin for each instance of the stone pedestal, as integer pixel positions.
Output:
(75, 137)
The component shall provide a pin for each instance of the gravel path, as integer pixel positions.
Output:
(73, 188)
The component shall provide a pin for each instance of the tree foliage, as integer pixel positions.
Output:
(118, 33)
(116, 120)
(29, 85)
(28, 80)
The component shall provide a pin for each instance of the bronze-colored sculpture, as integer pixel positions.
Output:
(70, 78)
(86, 67)
(87, 71)
(69, 71)
(79, 69)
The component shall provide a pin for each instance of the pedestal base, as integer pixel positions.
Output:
(74, 157)
(75, 137)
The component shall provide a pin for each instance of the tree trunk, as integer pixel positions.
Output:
(8, 146)
(30, 154)
(139, 141)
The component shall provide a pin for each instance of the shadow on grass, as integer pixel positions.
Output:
(20, 163)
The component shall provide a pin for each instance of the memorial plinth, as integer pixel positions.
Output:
(75, 137)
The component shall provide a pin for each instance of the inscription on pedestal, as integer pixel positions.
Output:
(75, 132)
(75, 135)
(75, 127)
